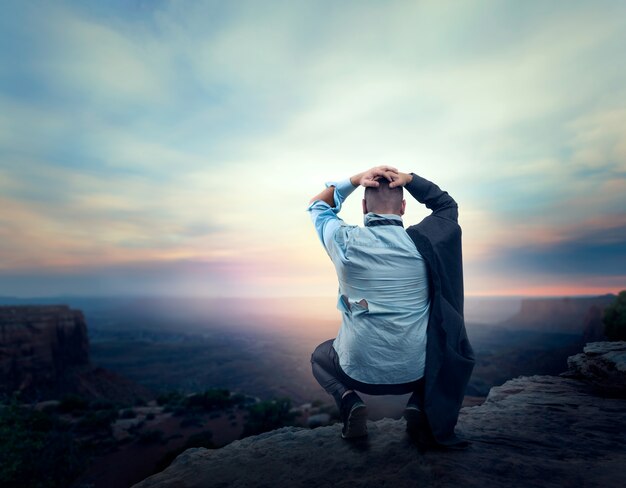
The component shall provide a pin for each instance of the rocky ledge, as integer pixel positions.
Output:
(549, 431)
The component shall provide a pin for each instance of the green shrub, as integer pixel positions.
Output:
(238, 399)
(268, 415)
(170, 398)
(72, 403)
(211, 399)
(37, 450)
(615, 318)
(128, 413)
(99, 420)
(201, 439)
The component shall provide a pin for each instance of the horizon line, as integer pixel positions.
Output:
(276, 297)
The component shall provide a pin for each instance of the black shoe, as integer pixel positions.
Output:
(354, 416)
(415, 419)
(417, 427)
(419, 430)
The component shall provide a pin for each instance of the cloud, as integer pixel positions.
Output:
(593, 247)
(165, 131)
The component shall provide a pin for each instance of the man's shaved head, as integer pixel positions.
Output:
(382, 199)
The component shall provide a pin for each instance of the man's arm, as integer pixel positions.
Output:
(428, 193)
(325, 206)
(327, 195)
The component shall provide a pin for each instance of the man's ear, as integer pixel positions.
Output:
(403, 207)
(364, 206)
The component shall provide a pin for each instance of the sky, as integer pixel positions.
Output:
(172, 147)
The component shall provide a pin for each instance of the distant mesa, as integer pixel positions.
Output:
(44, 354)
(561, 314)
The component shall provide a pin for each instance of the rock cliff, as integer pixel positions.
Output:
(40, 344)
(549, 431)
(44, 353)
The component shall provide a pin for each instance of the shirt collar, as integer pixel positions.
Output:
(370, 216)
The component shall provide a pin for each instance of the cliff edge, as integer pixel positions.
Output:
(549, 431)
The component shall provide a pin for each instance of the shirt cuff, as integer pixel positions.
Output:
(343, 189)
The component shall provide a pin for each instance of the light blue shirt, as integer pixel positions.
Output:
(382, 340)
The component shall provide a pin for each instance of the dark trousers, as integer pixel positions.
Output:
(328, 373)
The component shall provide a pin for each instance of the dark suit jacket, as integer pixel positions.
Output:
(449, 355)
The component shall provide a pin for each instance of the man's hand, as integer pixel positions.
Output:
(369, 177)
(400, 179)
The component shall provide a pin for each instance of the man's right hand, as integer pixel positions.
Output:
(400, 179)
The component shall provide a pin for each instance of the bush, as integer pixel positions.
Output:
(201, 439)
(128, 413)
(615, 318)
(238, 399)
(37, 449)
(212, 399)
(170, 398)
(72, 403)
(268, 415)
(97, 421)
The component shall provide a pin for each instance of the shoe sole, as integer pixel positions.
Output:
(357, 422)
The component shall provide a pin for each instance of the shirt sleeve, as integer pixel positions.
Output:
(325, 217)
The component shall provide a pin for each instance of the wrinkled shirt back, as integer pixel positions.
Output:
(383, 294)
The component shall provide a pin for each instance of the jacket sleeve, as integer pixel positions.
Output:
(428, 193)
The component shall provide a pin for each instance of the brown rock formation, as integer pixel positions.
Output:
(44, 353)
(40, 344)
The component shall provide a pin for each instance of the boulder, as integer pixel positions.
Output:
(602, 365)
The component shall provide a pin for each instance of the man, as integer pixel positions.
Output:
(401, 298)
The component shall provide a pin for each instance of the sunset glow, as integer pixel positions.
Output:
(172, 147)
